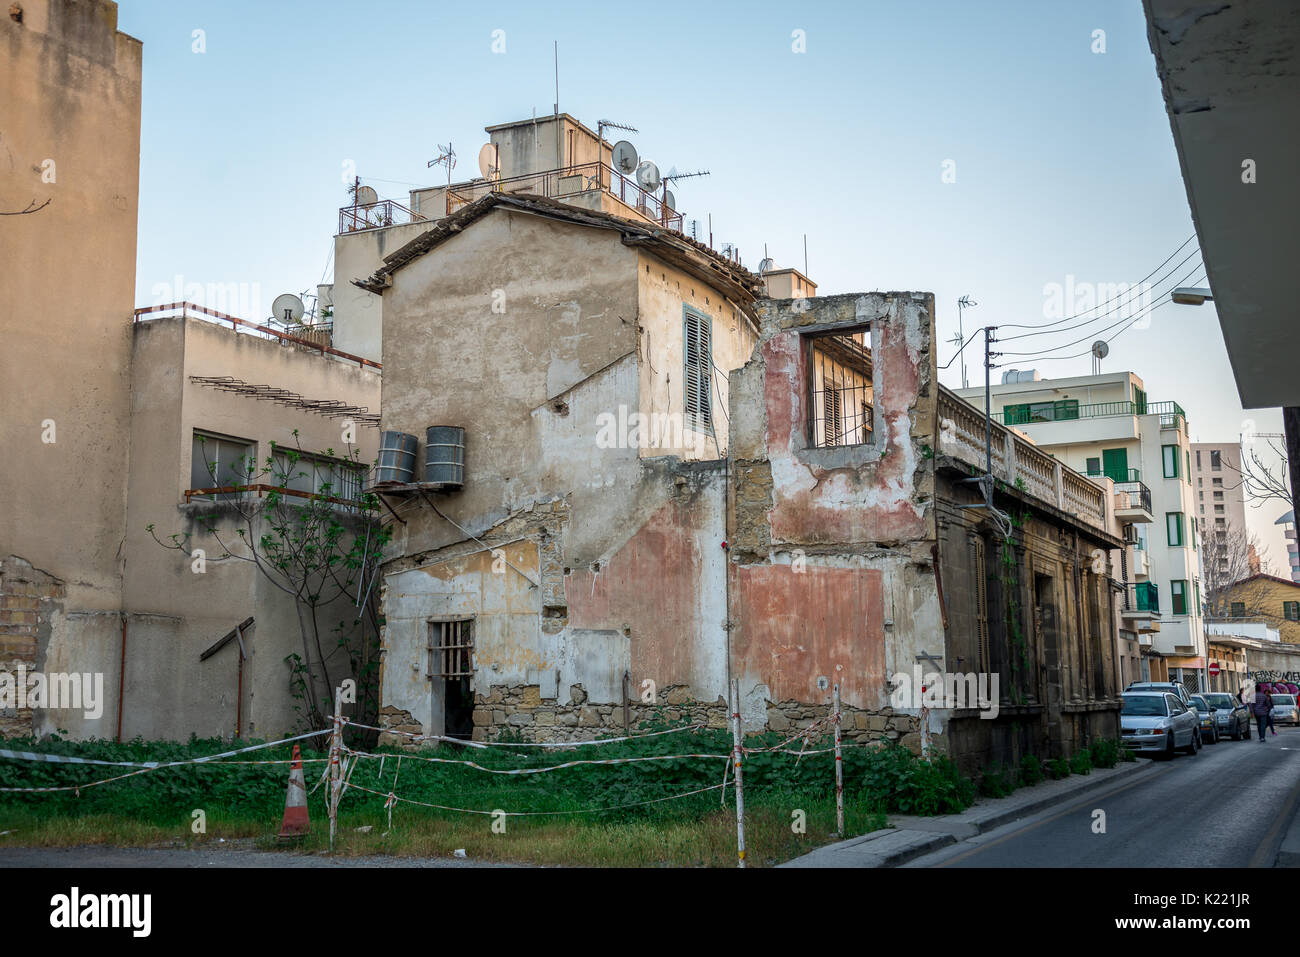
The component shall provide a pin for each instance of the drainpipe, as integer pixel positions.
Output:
(121, 682)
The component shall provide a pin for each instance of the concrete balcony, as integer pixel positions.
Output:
(1141, 606)
(1133, 503)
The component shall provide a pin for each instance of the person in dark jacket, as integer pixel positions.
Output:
(1261, 708)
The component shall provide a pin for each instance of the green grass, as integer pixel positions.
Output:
(247, 801)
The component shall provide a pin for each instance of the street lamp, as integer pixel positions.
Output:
(1191, 295)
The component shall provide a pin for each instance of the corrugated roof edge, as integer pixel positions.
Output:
(709, 265)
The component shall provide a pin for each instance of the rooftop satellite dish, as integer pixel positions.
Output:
(287, 307)
(670, 200)
(487, 161)
(624, 157)
(366, 196)
(764, 266)
(647, 175)
(1100, 350)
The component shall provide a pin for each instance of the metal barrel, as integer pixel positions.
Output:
(444, 456)
(396, 457)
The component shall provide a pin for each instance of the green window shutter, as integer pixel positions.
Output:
(1194, 536)
(1178, 596)
(1174, 528)
(1015, 414)
(1169, 459)
(1291, 610)
(697, 355)
(1188, 473)
(1114, 464)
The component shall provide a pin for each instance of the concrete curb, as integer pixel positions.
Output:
(1288, 853)
(910, 837)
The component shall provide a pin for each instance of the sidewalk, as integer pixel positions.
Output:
(909, 837)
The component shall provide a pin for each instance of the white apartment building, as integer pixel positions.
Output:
(1105, 426)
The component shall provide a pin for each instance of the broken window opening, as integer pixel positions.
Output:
(451, 648)
(840, 392)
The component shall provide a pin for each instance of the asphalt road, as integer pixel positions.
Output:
(1228, 806)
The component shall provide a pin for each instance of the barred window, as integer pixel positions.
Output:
(839, 388)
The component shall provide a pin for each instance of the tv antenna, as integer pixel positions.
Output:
(647, 176)
(489, 162)
(446, 157)
(965, 302)
(672, 175)
(287, 308)
(1100, 350)
(624, 158)
(610, 124)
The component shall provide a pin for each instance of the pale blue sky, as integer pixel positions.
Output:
(1064, 160)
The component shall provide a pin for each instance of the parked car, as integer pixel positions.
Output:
(1174, 687)
(1231, 717)
(1209, 727)
(1159, 722)
(1285, 710)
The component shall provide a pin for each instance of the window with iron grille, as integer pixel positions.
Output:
(451, 647)
(839, 388)
(697, 354)
(1291, 610)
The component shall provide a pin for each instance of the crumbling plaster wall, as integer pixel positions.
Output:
(530, 381)
(832, 571)
(664, 291)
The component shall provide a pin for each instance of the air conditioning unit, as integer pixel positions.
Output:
(1130, 535)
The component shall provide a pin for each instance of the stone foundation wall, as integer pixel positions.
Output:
(521, 713)
(27, 595)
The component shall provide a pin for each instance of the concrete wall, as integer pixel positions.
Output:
(832, 574)
(358, 314)
(581, 524)
(70, 144)
(175, 613)
(70, 94)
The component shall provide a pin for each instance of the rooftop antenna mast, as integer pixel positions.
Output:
(602, 125)
(965, 302)
(446, 157)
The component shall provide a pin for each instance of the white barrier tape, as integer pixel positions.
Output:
(556, 767)
(390, 796)
(150, 765)
(521, 744)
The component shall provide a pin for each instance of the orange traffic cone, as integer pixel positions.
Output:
(296, 823)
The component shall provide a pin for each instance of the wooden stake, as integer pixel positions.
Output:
(336, 772)
(839, 766)
(737, 760)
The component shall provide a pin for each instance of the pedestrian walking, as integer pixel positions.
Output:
(1261, 707)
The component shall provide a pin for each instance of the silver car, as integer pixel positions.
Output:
(1285, 710)
(1209, 726)
(1159, 722)
(1232, 718)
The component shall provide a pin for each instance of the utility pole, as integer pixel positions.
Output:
(988, 410)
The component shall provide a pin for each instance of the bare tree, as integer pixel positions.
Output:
(1259, 480)
(1228, 555)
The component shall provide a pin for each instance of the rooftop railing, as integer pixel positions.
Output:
(1017, 462)
(1135, 494)
(386, 212)
(1034, 413)
(188, 310)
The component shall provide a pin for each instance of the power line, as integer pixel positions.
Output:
(1100, 316)
(1057, 322)
(1146, 312)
